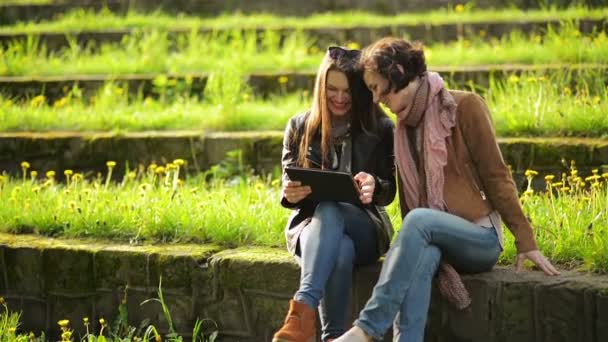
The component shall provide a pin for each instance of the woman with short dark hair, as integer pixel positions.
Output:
(454, 187)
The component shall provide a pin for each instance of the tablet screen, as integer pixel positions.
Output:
(327, 185)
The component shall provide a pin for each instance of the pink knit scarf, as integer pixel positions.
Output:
(435, 109)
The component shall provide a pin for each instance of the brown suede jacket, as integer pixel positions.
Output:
(477, 180)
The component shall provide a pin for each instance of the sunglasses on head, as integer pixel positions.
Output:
(338, 52)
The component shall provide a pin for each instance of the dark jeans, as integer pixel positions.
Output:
(338, 237)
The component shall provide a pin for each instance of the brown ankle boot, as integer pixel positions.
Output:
(299, 325)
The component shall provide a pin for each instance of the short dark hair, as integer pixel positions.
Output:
(384, 55)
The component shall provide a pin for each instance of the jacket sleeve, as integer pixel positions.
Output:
(476, 124)
(384, 192)
(289, 157)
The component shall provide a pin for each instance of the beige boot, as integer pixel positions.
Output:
(354, 334)
(299, 324)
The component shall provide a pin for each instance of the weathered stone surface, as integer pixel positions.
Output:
(245, 292)
(24, 271)
(33, 314)
(118, 267)
(260, 150)
(73, 309)
(599, 316)
(68, 271)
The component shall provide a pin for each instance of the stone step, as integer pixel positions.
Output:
(261, 151)
(325, 36)
(13, 13)
(262, 84)
(245, 292)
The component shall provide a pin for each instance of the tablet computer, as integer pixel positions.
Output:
(327, 185)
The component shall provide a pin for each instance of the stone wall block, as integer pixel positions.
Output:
(117, 268)
(33, 314)
(73, 309)
(24, 271)
(600, 315)
(557, 324)
(477, 323)
(68, 271)
(516, 320)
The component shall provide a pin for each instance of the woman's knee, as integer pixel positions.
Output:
(416, 221)
(327, 208)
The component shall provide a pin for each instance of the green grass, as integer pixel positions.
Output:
(86, 20)
(224, 205)
(24, 2)
(555, 104)
(155, 52)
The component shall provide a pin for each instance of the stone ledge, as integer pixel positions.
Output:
(261, 150)
(245, 290)
(261, 83)
(323, 36)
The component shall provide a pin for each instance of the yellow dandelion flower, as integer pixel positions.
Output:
(353, 46)
(50, 174)
(283, 79)
(459, 8)
(62, 102)
(25, 165)
(85, 320)
(66, 335)
(179, 162)
(595, 171)
(549, 178)
(110, 164)
(68, 173)
(64, 323)
(593, 178)
(513, 79)
(33, 174)
(531, 173)
(565, 188)
(529, 192)
(605, 175)
(102, 321)
(159, 170)
(131, 175)
(38, 100)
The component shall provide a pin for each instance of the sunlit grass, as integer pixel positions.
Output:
(156, 52)
(82, 19)
(153, 203)
(534, 104)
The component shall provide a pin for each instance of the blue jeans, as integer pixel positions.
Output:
(403, 292)
(338, 237)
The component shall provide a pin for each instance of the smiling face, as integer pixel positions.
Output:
(339, 100)
(396, 101)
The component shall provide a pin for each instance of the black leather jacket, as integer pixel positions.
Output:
(372, 154)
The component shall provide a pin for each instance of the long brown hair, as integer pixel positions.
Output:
(364, 113)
